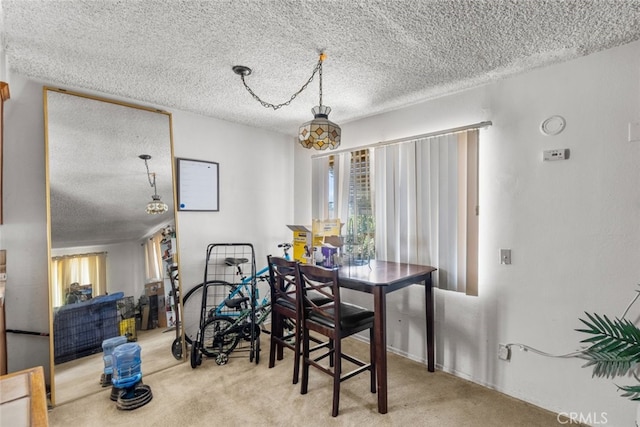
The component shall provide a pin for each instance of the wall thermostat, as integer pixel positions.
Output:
(562, 154)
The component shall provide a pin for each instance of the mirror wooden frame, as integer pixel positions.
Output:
(47, 89)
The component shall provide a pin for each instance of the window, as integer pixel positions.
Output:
(343, 190)
(360, 224)
(153, 258)
(76, 273)
(415, 201)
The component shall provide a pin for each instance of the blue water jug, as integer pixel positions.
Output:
(127, 365)
(108, 346)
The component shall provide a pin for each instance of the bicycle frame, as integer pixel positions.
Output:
(240, 321)
(244, 285)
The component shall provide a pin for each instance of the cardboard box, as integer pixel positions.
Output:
(308, 241)
(154, 288)
(302, 243)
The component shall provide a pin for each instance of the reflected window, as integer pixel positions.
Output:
(76, 278)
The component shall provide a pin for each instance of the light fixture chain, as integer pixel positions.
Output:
(152, 184)
(276, 106)
(320, 78)
(149, 175)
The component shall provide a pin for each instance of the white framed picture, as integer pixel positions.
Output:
(198, 185)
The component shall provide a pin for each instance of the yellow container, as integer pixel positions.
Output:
(128, 328)
(302, 244)
(307, 240)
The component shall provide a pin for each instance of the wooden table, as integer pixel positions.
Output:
(379, 278)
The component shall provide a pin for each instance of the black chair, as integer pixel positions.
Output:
(335, 320)
(285, 313)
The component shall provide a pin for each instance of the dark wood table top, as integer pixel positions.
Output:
(394, 275)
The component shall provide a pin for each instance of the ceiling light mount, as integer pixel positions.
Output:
(155, 206)
(241, 70)
(319, 133)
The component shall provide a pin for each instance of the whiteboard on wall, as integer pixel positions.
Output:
(198, 185)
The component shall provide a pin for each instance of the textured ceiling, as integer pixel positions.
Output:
(98, 184)
(382, 54)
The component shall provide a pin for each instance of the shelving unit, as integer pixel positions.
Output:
(169, 258)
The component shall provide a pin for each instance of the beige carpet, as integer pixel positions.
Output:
(242, 392)
(81, 377)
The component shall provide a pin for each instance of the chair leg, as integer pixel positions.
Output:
(372, 355)
(332, 354)
(296, 350)
(276, 331)
(305, 364)
(280, 346)
(337, 370)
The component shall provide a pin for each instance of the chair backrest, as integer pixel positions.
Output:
(282, 283)
(316, 281)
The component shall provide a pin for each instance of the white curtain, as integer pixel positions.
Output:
(342, 174)
(153, 258)
(83, 269)
(320, 184)
(336, 191)
(417, 203)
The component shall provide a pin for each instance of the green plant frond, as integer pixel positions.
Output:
(605, 331)
(594, 324)
(600, 323)
(614, 349)
(595, 327)
(608, 365)
(622, 349)
(629, 330)
(610, 326)
(631, 352)
(632, 392)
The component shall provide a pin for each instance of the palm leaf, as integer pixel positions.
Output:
(632, 392)
(614, 346)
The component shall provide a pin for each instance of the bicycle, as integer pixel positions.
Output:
(222, 334)
(192, 301)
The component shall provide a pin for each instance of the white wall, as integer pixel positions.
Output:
(255, 190)
(573, 227)
(24, 233)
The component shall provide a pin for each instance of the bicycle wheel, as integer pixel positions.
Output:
(176, 348)
(192, 307)
(219, 336)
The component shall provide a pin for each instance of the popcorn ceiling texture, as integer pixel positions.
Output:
(382, 54)
(178, 55)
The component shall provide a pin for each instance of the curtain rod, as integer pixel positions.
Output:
(409, 138)
(78, 255)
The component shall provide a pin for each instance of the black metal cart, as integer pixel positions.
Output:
(227, 314)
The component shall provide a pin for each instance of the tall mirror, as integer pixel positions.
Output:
(113, 256)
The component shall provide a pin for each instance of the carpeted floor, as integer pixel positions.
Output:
(81, 377)
(245, 393)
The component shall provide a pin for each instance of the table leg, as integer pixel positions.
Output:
(379, 330)
(428, 289)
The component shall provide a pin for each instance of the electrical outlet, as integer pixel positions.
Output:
(504, 352)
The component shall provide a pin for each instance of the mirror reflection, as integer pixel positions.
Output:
(112, 242)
